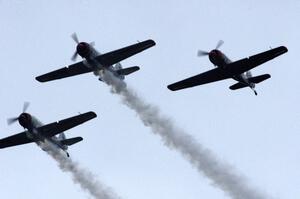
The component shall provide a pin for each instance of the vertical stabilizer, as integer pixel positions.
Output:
(62, 136)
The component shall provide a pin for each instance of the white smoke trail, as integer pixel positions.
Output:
(80, 176)
(222, 175)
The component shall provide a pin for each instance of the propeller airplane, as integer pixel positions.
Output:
(97, 62)
(225, 68)
(39, 133)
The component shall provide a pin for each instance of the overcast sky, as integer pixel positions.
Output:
(258, 135)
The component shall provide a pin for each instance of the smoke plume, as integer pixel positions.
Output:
(222, 175)
(80, 176)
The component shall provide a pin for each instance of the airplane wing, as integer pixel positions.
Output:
(55, 128)
(14, 140)
(203, 78)
(246, 64)
(116, 56)
(71, 70)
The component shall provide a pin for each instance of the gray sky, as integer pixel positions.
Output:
(259, 136)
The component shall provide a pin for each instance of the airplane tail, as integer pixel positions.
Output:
(122, 72)
(260, 78)
(248, 74)
(252, 80)
(71, 141)
(62, 136)
(127, 71)
(238, 86)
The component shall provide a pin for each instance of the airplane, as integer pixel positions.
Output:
(225, 68)
(97, 62)
(39, 133)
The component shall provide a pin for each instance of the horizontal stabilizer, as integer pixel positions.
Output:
(238, 86)
(127, 71)
(259, 78)
(71, 141)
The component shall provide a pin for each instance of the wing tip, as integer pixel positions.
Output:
(136, 68)
(171, 87)
(92, 114)
(151, 42)
(40, 79)
(284, 49)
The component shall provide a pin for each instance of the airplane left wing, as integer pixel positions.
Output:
(246, 64)
(55, 128)
(14, 140)
(203, 78)
(71, 70)
(116, 56)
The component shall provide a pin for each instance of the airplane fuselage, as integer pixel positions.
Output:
(32, 124)
(220, 60)
(89, 53)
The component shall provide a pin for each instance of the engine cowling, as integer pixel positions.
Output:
(25, 120)
(83, 49)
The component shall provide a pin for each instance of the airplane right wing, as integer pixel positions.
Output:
(203, 78)
(246, 64)
(52, 129)
(14, 140)
(116, 56)
(71, 70)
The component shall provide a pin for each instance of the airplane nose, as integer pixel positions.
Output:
(212, 55)
(24, 120)
(83, 49)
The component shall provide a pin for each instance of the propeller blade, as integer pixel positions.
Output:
(74, 56)
(10, 121)
(25, 106)
(219, 44)
(202, 53)
(92, 43)
(75, 38)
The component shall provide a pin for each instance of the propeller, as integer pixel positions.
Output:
(25, 106)
(12, 120)
(219, 44)
(92, 43)
(202, 53)
(75, 38)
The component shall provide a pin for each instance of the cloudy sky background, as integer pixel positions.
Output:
(259, 136)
